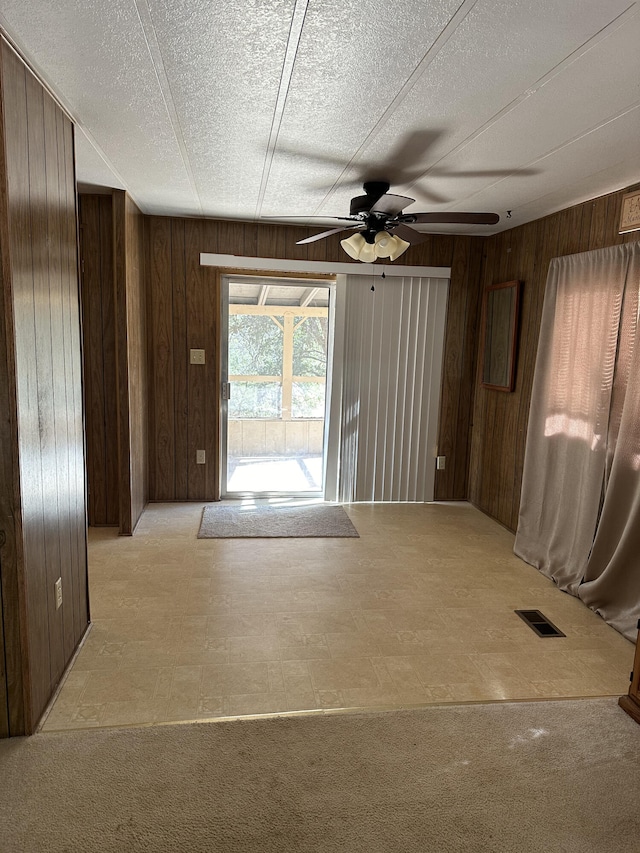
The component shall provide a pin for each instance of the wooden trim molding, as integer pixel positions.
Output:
(278, 265)
(631, 702)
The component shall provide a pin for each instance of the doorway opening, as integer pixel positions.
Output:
(276, 349)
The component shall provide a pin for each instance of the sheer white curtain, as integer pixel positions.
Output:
(580, 502)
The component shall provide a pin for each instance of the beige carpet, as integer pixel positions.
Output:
(240, 521)
(506, 778)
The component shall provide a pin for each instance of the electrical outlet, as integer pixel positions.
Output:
(440, 461)
(200, 457)
(58, 587)
(196, 356)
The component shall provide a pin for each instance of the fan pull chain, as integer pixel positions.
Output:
(382, 275)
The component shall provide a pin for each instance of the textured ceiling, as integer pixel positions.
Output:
(283, 107)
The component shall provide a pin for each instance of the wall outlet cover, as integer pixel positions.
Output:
(201, 457)
(196, 356)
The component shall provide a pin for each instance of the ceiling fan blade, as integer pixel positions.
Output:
(324, 234)
(391, 204)
(409, 234)
(455, 217)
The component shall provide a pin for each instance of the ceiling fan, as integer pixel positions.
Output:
(382, 229)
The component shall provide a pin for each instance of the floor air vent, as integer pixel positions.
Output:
(539, 622)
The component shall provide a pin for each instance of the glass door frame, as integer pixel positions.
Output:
(280, 281)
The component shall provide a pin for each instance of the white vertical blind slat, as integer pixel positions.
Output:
(392, 375)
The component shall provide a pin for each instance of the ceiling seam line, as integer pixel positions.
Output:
(155, 54)
(431, 55)
(293, 43)
(557, 69)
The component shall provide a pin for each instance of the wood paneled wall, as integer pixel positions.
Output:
(99, 352)
(500, 419)
(11, 664)
(131, 359)
(184, 310)
(115, 355)
(458, 370)
(183, 398)
(44, 508)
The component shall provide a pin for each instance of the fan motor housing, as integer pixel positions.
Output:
(374, 190)
(360, 204)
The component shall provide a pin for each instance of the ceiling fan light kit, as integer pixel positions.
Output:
(378, 213)
(385, 245)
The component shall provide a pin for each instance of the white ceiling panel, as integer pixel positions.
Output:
(577, 96)
(497, 53)
(585, 162)
(345, 76)
(586, 91)
(96, 170)
(95, 56)
(223, 65)
(283, 107)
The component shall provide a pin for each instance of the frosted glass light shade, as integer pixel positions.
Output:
(367, 253)
(400, 247)
(384, 244)
(353, 245)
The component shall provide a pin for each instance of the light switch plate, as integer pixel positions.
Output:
(196, 356)
(440, 462)
(200, 457)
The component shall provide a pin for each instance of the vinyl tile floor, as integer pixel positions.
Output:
(418, 610)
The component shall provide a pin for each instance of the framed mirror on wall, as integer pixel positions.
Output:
(499, 335)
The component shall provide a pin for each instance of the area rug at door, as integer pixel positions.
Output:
(241, 521)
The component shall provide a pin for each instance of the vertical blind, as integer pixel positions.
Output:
(391, 387)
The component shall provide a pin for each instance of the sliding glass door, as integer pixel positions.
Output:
(274, 405)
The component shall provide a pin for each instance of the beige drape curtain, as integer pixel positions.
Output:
(580, 502)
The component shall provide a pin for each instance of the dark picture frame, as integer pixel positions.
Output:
(630, 212)
(500, 312)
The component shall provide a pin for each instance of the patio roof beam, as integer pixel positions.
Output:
(308, 296)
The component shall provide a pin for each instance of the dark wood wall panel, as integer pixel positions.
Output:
(42, 350)
(131, 359)
(180, 362)
(98, 311)
(11, 556)
(184, 310)
(199, 397)
(115, 355)
(71, 321)
(500, 419)
(137, 353)
(162, 403)
(458, 369)
(73, 359)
